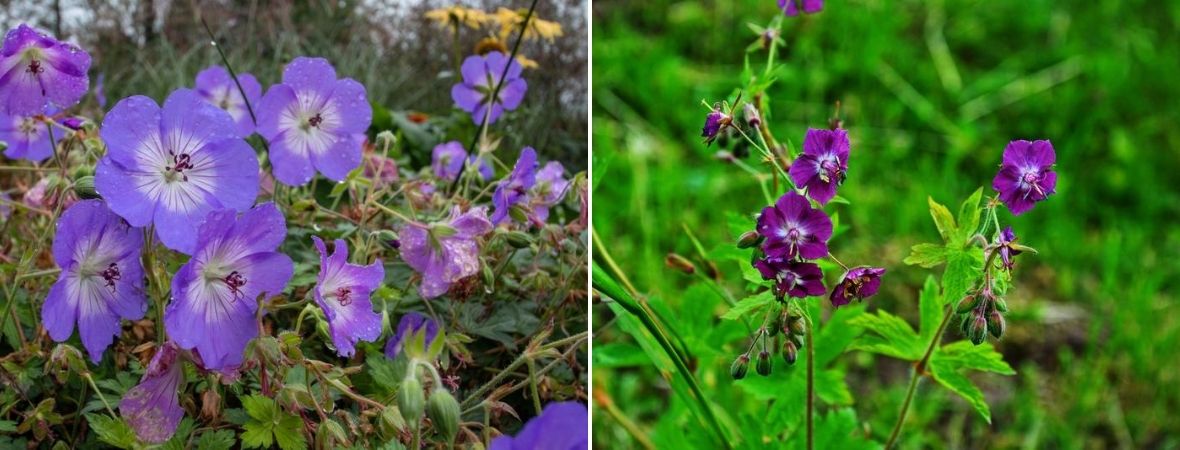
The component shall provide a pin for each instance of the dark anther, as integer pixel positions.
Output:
(235, 281)
(343, 296)
(111, 275)
(315, 120)
(180, 163)
(35, 67)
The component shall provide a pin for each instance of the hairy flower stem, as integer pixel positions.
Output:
(810, 383)
(90, 380)
(919, 371)
(533, 385)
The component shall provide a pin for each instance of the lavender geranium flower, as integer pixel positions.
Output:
(447, 160)
(38, 71)
(548, 191)
(214, 295)
(481, 163)
(823, 164)
(314, 121)
(172, 166)
(445, 252)
(411, 323)
(791, 278)
(793, 229)
(342, 291)
(791, 7)
(152, 408)
(514, 189)
(480, 76)
(101, 277)
(216, 86)
(27, 137)
(715, 121)
(859, 283)
(1007, 247)
(1026, 176)
(561, 426)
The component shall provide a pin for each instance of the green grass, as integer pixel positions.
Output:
(931, 92)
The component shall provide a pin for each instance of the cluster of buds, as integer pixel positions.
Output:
(788, 328)
(981, 313)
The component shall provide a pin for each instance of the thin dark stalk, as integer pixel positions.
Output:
(232, 73)
(919, 371)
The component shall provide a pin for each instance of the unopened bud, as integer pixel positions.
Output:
(978, 330)
(1001, 305)
(307, 204)
(764, 365)
(210, 404)
(799, 327)
(790, 352)
(712, 270)
(967, 304)
(753, 119)
(444, 413)
(680, 263)
(518, 239)
(518, 213)
(749, 239)
(995, 324)
(797, 339)
(740, 366)
(410, 400)
(84, 187)
(489, 277)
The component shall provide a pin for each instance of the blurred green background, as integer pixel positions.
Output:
(931, 92)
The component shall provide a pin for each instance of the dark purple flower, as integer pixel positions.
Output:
(514, 189)
(445, 252)
(1007, 238)
(152, 408)
(1026, 176)
(793, 229)
(26, 136)
(342, 291)
(314, 121)
(411, 324)
(791, 7)
(172, 166)
(714, 122)
(859, 283)
(447, 160)
(792, 278)
(823, 164)
(561, 426)
(215, 294)
(486, 172)
(549, 189)
(38, 71)
(216, 86)
(480, 76)
(101, 277)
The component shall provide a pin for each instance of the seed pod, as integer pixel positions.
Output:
(84, 187)
(764, 365)
(740, 366)
(680, 263)
(410, 400)
(967, 304)
(790, 352)
(518, 239)
(749, 239)
(444, 413)
(995, 324)
(978, 331)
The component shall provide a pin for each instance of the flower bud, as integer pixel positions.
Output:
(740, 366)
(978, 331)
(442, 230)
(749, 239)
(518, 239)
(764, 366)
(680, 263)
(775, 325)
(967, 304)
(995, 324)
(797, 339)
(84, 187)
(799, 327)
(307, 204)
(410, 400)
(489, 278)
(519, 214)
(790, 352)
(753, 119)
(1001, 305)
(444, 413)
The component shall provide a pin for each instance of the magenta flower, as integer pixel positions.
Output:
(514, 189)
(445, 252)
(342, 291)
(411, 323)
(101, 277)
(859, 283)
(823, 164)
(561, 426)
(26, 136)
(152, 408)
(216, 86)
(480, 76)
(792, 278)
(1026, 176)
(791, 7)
(548, 191)
(714, 122)
(38, 71)
(215, 294)
(447, 160)
(172, 166)
(793, 229)
(314, 121)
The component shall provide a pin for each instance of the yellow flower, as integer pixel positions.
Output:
(452, 15)
(510, 21)
(526, 63)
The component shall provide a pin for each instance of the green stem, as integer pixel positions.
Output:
(533, 385)
(90, 380)
(919, 370)
(810, 383)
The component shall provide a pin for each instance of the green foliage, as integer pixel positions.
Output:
(950, 363)
(112, 430)
(268, 424)
(964, 262)
(216, 440)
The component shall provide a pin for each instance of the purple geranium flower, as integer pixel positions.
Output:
(411, 323)
(793, 229)
(37, 71)
(26, 136)
(342, 291)
(216, 86)
(214, 295)
(514, 189)
(101, 277)
(791, 7)
(859, 283)
(548, 191)
(823, 164)
(447, 160)
(714, 122)
(152, 408)
(561, 426)
(314, 121)
(792, 278)
(480, 76)
(1006, 240)
(172, 166)
(445, 252)
(485, 168)
(1026, 175)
